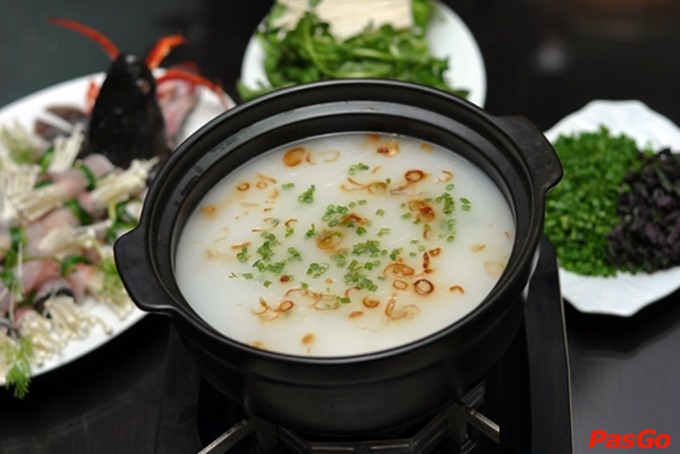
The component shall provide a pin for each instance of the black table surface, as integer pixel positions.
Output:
(544, 59)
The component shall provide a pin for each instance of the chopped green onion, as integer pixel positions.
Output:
(84, 218)
(68, 265)
(316, 270)
(89, 175)
(355, 168)
(308, 195)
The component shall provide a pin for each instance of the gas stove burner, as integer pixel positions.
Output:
(448, 432)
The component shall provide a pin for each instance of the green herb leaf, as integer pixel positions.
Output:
(18, 358)
(310, 52)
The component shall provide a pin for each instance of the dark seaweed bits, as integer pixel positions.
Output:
(647, 237)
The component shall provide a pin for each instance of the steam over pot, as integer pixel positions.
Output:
(367, 393)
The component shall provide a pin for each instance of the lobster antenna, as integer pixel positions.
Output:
(173, 73)
(110, 48)
(162, 49)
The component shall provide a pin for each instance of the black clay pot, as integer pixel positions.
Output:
(364, 394)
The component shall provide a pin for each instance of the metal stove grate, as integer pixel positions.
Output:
(450, 428)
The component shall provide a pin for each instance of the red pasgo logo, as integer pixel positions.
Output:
(645, 439)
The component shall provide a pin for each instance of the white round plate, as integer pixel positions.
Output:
(73, 92)
(448, 37)
(623, 294)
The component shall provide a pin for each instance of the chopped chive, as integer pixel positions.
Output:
(311, 232)
(355, 168)
(383, 231)
(243, 255)
(89, 175)
(339, 259)
(316, 270)
(308, 195)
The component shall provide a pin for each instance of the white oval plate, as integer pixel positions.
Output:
(73, 92)
(448, 37)
(623, 294)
